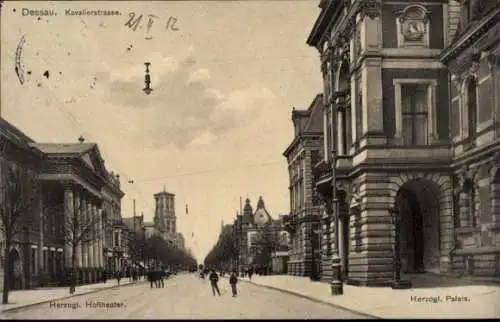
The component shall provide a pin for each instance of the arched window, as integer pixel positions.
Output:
(472, 105)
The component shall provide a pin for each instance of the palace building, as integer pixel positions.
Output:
(413, 90)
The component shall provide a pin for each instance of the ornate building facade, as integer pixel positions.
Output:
(247, 226)
(69, 216)
(303, 222)
(387, 67)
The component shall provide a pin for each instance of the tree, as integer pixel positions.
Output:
(18, 197)
(265, 242)
(224, 251)
(162, 251)
(79, 229)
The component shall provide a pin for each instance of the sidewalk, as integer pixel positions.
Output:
(425, 302)
(25, 298)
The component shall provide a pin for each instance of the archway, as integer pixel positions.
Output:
(344, 108)
(417, 202)
(15, 273)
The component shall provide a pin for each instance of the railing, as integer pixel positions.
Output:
(322, 170)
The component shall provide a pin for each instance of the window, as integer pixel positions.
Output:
(33, 260)
(472, 105)
(415, 114)
(117, 239)
(359, 109)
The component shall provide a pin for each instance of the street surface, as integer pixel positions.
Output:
(184, 297)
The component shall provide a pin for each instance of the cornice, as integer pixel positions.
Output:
(471, 35)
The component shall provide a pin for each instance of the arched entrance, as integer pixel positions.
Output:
(417, 203)
(15, 270)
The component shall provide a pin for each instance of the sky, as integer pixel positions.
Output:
(225, 76)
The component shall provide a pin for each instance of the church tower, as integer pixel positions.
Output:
(165, 219)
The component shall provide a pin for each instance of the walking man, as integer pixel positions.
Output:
(233, 280)
(214, 279)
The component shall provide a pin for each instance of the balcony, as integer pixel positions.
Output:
(322, 171)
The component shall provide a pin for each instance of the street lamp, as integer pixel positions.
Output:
(147, 81)
(336, 285)
(397, 283)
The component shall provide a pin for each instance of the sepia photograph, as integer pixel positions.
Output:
(251, 159)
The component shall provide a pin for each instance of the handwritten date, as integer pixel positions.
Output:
(137, 21)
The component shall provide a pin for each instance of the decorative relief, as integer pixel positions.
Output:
(413, 26)
(371, 9)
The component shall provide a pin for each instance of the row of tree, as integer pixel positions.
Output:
(158, 249)
(262, 245)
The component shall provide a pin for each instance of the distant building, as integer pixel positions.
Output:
(303, 223)
(247, 226)
(165, 220)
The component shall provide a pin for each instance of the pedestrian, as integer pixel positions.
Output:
(214, 279)
(150, 277)
(118, 277)
(163, 275)
(233, 280)
(104, 276)
(72, 281)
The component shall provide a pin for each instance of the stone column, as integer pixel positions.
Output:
(90, 252)
(94, 240)
(85, 250)
(100, 235)
(69, 213)
(79, 229)
(340, 131)
(41, 263)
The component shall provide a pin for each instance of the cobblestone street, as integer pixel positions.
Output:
(184, 297)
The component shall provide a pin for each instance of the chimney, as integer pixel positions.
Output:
(81, 139)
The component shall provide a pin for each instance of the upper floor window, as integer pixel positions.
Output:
(415, 114)
(415, 110)
(471, 87)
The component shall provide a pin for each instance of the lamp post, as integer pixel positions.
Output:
(397, 283)
(336, 285)
(147, 80)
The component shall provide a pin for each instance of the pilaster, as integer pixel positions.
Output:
(372, 96)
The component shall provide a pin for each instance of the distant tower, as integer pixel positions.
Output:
(165, 220)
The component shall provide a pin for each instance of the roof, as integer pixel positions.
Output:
(328, 9)
(15, 135)
(309, 121)
(64, 148)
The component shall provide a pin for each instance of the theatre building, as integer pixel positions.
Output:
(57, 191)
(414, 88)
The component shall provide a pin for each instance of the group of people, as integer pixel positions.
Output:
(213, 277)
(156, 277)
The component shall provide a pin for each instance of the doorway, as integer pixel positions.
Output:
(418, 206)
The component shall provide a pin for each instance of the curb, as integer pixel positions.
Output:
(313, 299)
(22, 307)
